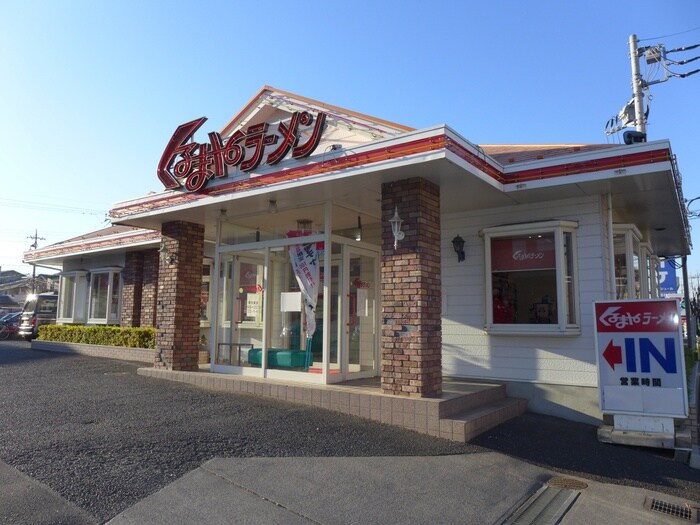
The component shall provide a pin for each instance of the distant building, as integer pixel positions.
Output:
(16, 286)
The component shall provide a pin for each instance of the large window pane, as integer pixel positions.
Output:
(524, 279)
(67, 297)
(98, 296)
(570, 283)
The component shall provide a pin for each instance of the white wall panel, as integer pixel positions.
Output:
(468, 351)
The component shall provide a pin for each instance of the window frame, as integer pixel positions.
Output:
(558, 228)
(634, 287)
(111, 317)
(207, 274)
(78, 308)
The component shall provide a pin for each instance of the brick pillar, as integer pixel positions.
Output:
(411, 291)
(179, 286)
(149, 293)
(132, 286)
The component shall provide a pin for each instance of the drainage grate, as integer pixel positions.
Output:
(683, 512)
(566, 483)
(547, 506)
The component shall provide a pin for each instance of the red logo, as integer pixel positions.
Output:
(192, 165)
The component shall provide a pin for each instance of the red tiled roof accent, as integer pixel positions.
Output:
(93, 244)
(606, 163)
(406, 149)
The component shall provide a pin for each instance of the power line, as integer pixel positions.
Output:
(667, 36)
(13, 203)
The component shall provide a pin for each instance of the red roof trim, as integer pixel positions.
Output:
(92, 245)
(406, 149)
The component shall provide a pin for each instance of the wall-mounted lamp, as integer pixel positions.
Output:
(396, 227)
(304, 226)
(458, 245)
(358, 231)
(335, 147)
(272, 206)
(166, 256)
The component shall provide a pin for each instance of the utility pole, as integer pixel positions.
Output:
(633, 113)
(34, 246)
(637, 87)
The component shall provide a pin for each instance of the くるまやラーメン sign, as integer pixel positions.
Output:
(191, 164)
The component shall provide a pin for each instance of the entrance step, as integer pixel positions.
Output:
(467, 425)
(463, 411)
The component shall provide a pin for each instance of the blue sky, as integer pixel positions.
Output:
(93, 90)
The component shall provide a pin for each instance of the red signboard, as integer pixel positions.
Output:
(192, 165)
(639, 352)
(640, 316)
(523, 253)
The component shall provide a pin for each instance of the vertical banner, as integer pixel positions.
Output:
(639, 352)
(304, 258)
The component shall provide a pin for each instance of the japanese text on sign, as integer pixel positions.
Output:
(639, 357)
(192, 165)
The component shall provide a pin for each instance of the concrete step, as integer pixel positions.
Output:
(474, 421)
(471, 396)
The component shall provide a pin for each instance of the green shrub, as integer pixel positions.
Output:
(99, 335)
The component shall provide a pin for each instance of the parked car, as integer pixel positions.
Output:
(39, 309)
(11, 318)
(9, 325)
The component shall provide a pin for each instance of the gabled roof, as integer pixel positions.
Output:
(113, 237)
(270, 103)
(357, 153)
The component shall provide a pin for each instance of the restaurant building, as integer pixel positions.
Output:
(307, 243)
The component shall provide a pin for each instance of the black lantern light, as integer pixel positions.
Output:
(458, 245)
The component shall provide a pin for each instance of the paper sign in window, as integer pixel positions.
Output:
(290, 302)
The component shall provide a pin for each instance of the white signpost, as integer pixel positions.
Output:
(641, 370)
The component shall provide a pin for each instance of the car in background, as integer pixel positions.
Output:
(9, 325)
(39, 309)
(11, 318)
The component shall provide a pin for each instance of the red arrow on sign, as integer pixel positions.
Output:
(613, 355)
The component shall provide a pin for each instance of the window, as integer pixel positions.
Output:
(105, 296)
(72, 297)
(628, 280)
(205, 294)
(531, 277)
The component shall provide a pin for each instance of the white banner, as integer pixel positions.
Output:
(304, 258)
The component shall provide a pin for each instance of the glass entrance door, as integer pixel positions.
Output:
(240, 309)
(362, 334)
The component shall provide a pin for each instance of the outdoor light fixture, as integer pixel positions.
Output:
(396, 227)
(358, 231)
(272, 206)
(166, 256)
(458, 245)
(304, 226)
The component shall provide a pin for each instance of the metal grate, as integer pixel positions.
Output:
(546, 507)
(566, 483)
(683, 512)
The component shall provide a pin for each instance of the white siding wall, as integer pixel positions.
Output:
(468, 351)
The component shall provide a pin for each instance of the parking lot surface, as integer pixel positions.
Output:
(104, 438)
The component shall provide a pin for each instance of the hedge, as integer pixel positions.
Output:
(99, 335)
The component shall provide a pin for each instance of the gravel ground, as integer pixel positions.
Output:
(105, 438)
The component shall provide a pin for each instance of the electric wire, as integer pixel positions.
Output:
(13, 203)
(667, 36)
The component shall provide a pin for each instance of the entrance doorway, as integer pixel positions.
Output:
(263, 314)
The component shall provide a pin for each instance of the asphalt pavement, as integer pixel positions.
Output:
(86, 440)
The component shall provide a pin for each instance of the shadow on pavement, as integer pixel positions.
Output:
(574, 448)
